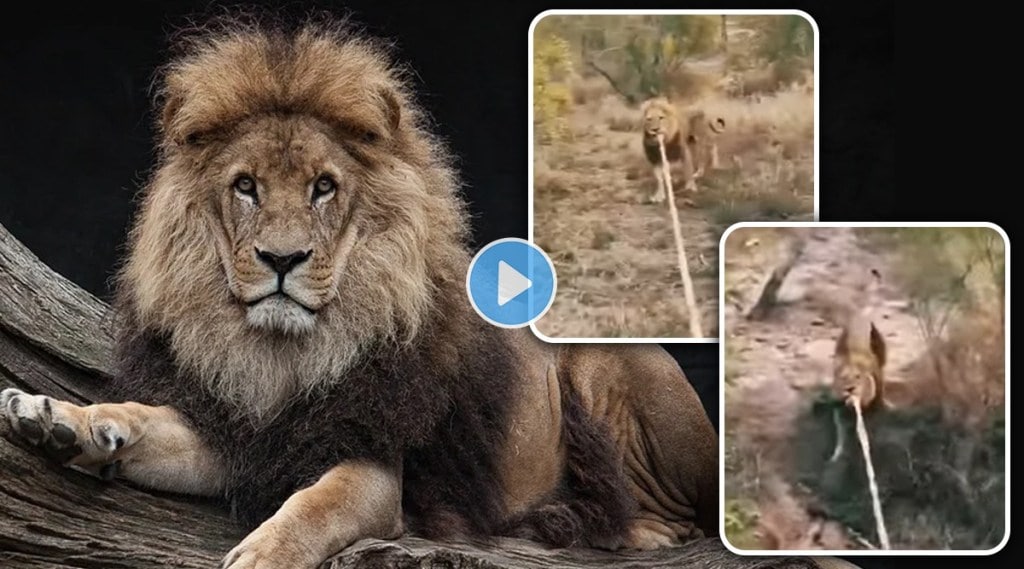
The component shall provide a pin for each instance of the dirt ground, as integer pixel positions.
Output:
(777, 366)
(614, 251)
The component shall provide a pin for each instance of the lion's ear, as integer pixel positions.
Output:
(171, 106)
(878, 347)
(171, 124)
(392, 108)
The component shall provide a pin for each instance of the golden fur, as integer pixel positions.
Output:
(859, 363)
(690, 140)
(400, 174)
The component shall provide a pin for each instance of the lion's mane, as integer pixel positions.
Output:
(173, 280)
(673, 133)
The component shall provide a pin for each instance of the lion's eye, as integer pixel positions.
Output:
(324, 187)
(245, 186)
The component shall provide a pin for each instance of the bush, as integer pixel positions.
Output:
(656, 58)
(552, 97)
(942, 486)
(786, 38)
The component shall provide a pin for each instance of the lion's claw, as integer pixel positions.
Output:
(269, 547)
(51, 426)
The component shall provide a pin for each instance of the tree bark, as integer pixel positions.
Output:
(54, 340)
(768, 298)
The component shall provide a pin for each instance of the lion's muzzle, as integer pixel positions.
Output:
(283, 302)
(282, 264)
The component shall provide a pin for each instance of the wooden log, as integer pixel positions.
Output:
(54, 341)
(48, 310)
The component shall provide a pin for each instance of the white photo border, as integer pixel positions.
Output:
(655, 12)
(721, 393)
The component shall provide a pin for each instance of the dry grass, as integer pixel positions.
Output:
(614, 251)
(589, 90)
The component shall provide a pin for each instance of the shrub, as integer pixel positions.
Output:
(552, 98)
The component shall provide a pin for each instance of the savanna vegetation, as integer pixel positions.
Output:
(614, 252)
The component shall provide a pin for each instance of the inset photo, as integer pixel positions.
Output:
(653, 132)
(865, 396)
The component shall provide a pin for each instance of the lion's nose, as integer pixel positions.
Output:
(283, 264)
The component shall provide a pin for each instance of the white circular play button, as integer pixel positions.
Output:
(511, 282)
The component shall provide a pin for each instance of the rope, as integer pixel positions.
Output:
(862, 434)
(684, 271)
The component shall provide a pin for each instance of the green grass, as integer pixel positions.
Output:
(741, 519)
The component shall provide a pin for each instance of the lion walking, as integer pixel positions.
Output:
(690, 141)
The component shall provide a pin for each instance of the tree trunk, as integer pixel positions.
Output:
(54, 341)
(768, 298)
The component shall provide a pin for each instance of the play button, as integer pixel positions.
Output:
(511, 283)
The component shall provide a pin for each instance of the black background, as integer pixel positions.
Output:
(76, 138)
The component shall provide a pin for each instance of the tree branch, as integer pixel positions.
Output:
(48, 310)
(630, 99)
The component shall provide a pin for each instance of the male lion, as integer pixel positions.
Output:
(295, 336)
(859, 361)
(691, 142)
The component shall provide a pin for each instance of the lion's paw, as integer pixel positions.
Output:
(269, 547)
(63, 430)
(646, 539)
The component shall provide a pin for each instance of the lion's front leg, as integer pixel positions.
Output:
(151, 446)
(350, 502)
(659, 176)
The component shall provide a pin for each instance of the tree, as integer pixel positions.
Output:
(643, 53)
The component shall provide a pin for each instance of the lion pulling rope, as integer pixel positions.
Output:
(684, 271)
(862, 434)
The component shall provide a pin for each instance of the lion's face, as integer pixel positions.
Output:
(301, 214)
(855, 379)
(285, 194)
(659, 118)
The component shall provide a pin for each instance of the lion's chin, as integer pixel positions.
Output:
(280, 314)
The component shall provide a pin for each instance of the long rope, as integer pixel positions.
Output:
(684, 271)
(862, 434)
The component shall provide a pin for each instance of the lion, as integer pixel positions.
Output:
(691, 142)
(859, 362)
(859, 358)
(294, 334)
(857, 378)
